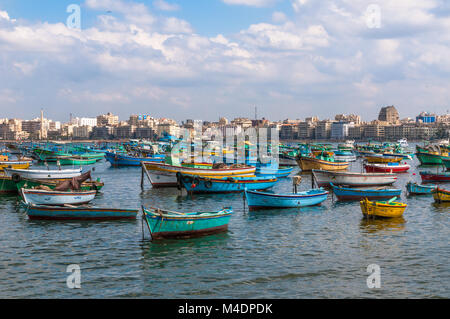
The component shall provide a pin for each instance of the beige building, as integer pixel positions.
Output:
(389, 114)
(107, 120)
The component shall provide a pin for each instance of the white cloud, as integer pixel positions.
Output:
(250, 3)
(165, 6)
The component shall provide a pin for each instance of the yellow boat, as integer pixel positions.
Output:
(324, 153)
(310, 163)
(441, 195)
(388, 209)
(23, 163)
(382, 159)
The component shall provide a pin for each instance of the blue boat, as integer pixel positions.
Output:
(126, 160)
(279, 173)
(78, 213)
(357, 194)
(416, 189)
(261, 200)
(197, 184)
(164, 224)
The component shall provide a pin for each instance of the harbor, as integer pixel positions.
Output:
(302, 251)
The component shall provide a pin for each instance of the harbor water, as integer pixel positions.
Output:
(314, 252)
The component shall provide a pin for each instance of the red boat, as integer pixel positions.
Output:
(428, 177)
(387, 168)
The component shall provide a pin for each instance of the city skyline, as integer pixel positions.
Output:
(207, 59)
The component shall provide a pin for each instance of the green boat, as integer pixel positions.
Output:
(164, 224)
(431, 159)
(75, 160)
(30, 183)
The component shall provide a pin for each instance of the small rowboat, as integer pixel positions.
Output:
(307, 163)
(355, 194)
(78, 213)
(197, 184)
(416, 189)
(260, 200)
(43, 174)
(441, 195)
(428, 177)
(56, 198)
(167, 224)
(390, 209)
(380, 159)
(324, 178)
(387, 168)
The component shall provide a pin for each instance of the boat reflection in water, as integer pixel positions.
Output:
(375, 225)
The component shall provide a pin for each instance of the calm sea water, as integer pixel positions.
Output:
(317, 252)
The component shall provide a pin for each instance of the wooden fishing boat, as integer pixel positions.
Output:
(56, 198)
(324, 178)
(78, 213)
(307, 163)
(380, 159)
(431, 158)
(53, 183)
(261, 200)
(42, 174)
(279, 173)
(441, 195)
(416, 189)
(357, 194)
(15, 164)
(76, 160)
(165, 224)
(390, 209)
(165, 175)
(387, 168)
(126, 160)
(428, 177)
(197, 184)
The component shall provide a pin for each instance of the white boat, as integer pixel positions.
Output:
(345, 158)
(57, 198)
(324, 178)
(403, 142)
(42, 174)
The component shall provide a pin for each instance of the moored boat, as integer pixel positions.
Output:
(387, 168)
(15, 164)
(429, 177)
(324, 178)
(165, 224)
(307, 163)
(126, 160)
(389, 209)
(441, 195)
(416, 189)
(43, 174)
(76, 160)
(261, 200)
(353, 194)
(431, 158)
(56, 198)
(78, 213)
(380, 159)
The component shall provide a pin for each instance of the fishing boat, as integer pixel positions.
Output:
(324, 178)
(353, 194)
(446, 163)
(307, 163)
(126, 160)
(164, 224)
(416, 189)
(261, 200)
(15, 164)
(344, 156)
(441, 195)
(279, 173)
(69, 212)
(380, 159)
(429, 177)
(387, 168)
(76, 160)
(53, 183)
(165, 175)
(17, 174)
(389, 209)
(431, 158)
(198, 184)
(56, 198)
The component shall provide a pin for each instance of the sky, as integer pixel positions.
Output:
(205, 59)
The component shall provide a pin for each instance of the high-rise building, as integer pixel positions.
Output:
(389, 114)
(107, 120)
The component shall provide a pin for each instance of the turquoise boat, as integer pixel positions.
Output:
(164, 224)
(357, 194)
(261, 200)
(279, 173)
(42, 212)
(416, 189)
(197, 184)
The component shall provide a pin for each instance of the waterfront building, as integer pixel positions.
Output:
(339, 130)
(289, 132)
(82, 132)
(107, 120)
(306, 130)
(389, 114)
(323, 130)
(356, 119)
(426, 118)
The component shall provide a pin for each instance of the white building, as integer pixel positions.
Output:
(339, 130)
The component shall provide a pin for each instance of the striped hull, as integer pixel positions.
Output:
(15, 165)
(228, 186)
(430, 159)
(441, 195)
(44, 174)
(428, 177)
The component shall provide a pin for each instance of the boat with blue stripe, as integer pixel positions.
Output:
(278, 172)
(357, 194)
(263, 200)
(126, 160)
(416, 189)
(164, 224)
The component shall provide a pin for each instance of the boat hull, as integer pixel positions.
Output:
(352, 194)
(325, 178)
(379, 210)
(260, 200)
(77, 213)
(53, 198)
(383, 168)
(415, 189)
(226, 185)
(441, 195)
(430, 159)
(44, 174)
(310, 163)
(125, 160)
(428, 177)
(382, 159)
(14, 165)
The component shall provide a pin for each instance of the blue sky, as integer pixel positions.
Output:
(209, 58)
